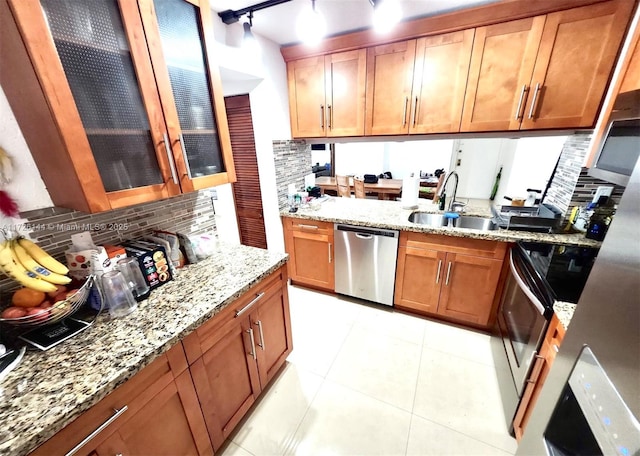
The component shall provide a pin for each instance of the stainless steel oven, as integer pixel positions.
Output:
(525, 310)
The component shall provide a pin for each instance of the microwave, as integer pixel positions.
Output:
(619, 152)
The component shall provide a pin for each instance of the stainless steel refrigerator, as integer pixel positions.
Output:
(607, 320)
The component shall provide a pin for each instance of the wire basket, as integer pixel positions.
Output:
(56, 312)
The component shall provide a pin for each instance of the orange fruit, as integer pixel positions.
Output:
(26, 297)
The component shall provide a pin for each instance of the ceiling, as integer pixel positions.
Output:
(278, 22)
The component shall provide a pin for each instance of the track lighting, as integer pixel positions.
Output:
(311, 26)
(386, 14)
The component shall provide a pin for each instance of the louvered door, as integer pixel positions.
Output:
(246, 189)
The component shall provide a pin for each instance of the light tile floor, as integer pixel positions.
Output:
(365, 380)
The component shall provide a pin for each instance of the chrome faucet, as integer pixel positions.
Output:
(455, 189)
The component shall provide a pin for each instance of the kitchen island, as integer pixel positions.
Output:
(49, 390)
(391, 215)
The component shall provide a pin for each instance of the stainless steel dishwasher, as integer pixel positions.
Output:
(365, 262)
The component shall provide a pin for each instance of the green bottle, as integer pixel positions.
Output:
(496, 185)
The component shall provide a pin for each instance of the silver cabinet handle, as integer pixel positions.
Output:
(446, 282)
(253, 344)
(329, 116)
(415, 112)
(261, 344)
(330, 259)
(184, 155)
(322, 116)
(524, 90)
(172, 163)
(307, 227)
(98, 430)
(404, 112)
(248, 306)
(533, 101)
(438, 273)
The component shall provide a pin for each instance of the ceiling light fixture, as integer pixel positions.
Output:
(386, 14)
(249, 41)
(311, 26)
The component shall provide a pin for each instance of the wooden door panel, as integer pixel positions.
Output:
(246, 189)
(576, 57)
(389, 79)
(502, 62)
(273, 317)
(439, 82)
(345, 75)
(469, 288)
(313, 259)
(306, 97)
(227, 382)
(418, 279)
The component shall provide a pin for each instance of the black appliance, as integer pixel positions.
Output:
(526, 307)
(590, 417)
(565, 269)
(619, 153)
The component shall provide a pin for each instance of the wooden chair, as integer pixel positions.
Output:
(344, 189)
(358, 185)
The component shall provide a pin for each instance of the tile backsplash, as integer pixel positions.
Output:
(52, 228)
(293, 162)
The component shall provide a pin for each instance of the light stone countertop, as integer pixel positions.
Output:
(391, 215)
(50, 389)
(564, 311)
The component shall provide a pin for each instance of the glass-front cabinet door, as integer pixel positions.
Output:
(179, 34)
(109, 74)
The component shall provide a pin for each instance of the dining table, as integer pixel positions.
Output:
(387, 189)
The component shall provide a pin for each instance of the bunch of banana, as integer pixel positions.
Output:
(27, 263)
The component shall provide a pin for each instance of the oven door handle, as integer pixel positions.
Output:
(523, 286)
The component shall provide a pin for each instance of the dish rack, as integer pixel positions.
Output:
(56, 312)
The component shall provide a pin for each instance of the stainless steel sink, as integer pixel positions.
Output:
(464, 221)
(425, 218)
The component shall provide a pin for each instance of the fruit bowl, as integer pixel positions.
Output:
(57, 311)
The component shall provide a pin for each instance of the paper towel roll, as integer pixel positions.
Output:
(410, 187)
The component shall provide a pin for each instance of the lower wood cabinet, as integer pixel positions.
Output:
(189, 400)
(156, 412)
(455, 278)
(236, 354)
(309, 244)
(543, 362)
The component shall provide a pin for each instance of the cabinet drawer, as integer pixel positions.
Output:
(209, 333)
(308, 226)
(475, 247)
(134, 394)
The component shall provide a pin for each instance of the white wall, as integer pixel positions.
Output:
(27, 188)
(360, 158)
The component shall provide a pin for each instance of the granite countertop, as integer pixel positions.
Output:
(50, 389)
(391, 215)
(564, 311)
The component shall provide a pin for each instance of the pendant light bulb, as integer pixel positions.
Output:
(249, 41)
(311, 26)
(386, 14)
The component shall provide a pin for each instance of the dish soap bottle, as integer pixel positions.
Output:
(496, 185)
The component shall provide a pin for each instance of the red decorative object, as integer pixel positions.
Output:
(7, 205)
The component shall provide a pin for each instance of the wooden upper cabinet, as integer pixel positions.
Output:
(576, 57)
(389, 80)
(439, 81)
(306, 97)
(88, 86)
(327, 95)
(502, 61)
(345, 76)
(631, 79)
